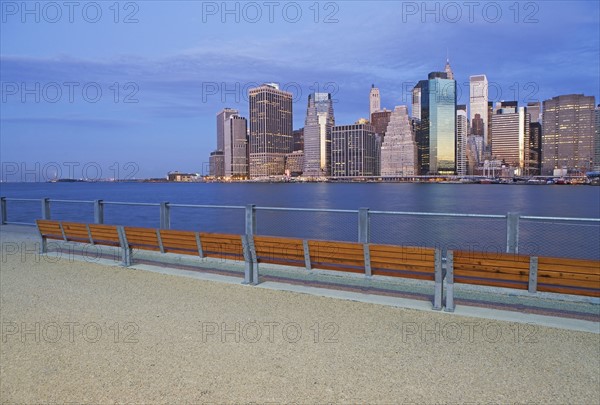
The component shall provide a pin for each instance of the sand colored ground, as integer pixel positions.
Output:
(89, 333)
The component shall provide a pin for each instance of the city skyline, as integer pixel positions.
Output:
(182, 78)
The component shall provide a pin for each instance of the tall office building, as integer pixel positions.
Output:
(416, 102)
(597, 140)
(270, 130)
(399, 149)
(474, 153)
(374, 100)
(568, 133)
(298, 138)
(317, 135)
(217, 160)
(511, 141)
(535, 147)
(436, 134)
(448, 70)
(216, 164)
(380, 120)
(222, 117)
(535, 111)
(478, 99)
(235, 153)
(354, 150)
(462, 131)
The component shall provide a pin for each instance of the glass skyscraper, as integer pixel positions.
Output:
(442, 124)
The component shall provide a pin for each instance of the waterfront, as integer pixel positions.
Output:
(536, 237)
(577, 201)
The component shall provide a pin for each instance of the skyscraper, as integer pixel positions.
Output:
(478, 99)
(511, 141)
(442, 124)
(380, 120)
(235, 153)
(270, 130)
(222, 117)
(354, 150)
(597, 139)
(568, 133)
(298, 137)
(448, 70)
(374, 101)
(462, 131)
(535, 111)
(399, 149)
(317, 135)
(217, 160)
(416, 102)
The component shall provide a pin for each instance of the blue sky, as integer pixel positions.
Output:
(165, 69)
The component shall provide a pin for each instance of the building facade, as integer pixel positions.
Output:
(235, 153)
(478, 103)
(298, 139)
(511, 143)
(380, 120)
(270, 130)
(399, 149)
(317, 135)
(216, 164)
(597, 140)
(354, 150)
(436, 136)
(568, 132)
(374, 100)
(462, 131)
(294, 163)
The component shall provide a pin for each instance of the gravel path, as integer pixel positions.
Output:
(89, 333)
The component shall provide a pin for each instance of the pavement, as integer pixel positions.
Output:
(78, 327)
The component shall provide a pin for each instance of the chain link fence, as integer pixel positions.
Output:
(532, 236)
(443, 231)
(338, 225)
(559, 237)
(208, 218)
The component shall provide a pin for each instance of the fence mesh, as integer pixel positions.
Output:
(324, 225)
(74, 212)
(446, 233)
(559, 238)
(25, 212)
(132, 215)
(218, 220)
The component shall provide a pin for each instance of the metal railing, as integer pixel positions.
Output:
(510, 233)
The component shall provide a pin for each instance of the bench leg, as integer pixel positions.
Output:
(43, 245)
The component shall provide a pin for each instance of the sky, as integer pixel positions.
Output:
(124, 90)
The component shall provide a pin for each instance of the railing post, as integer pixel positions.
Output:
(3, 217)
(450, 281)
(251, 268)
(45, 208)
(533, 274)
(439, 280)
(99, 212)
(512, 232)
(165, 216)
(364, 225)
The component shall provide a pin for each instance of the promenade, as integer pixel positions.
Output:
(95, 332)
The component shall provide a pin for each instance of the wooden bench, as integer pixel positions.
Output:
(181, 242)
(107, 235)
(222, 246)
(491, 269)
(76, 232)
(283, 251)
(339, 256)
(568, 276)
(403, 261)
